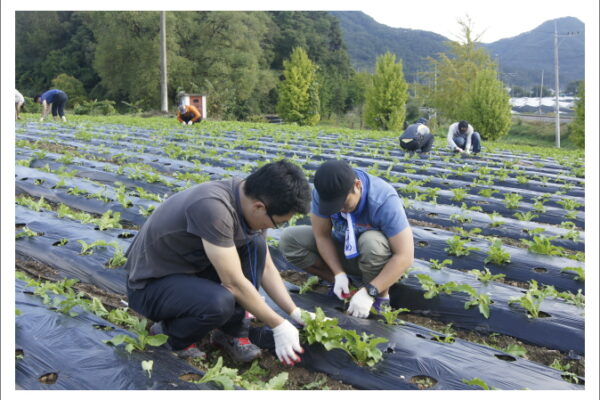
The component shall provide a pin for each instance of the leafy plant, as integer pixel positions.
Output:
(458, 246)
(459, 194)
(435, 264)
(494, 223)
(146, 211)
(569, 204)
(485, 276)
(511, 200)
(578, 270)
(361, 348)
(308, 285)
(26, 232)
(515, 350)
(448, 335)
(478, 382)
(462, 218)
(527, 216)
(109, 220)
(138, 343)
(390, 315)
(497, 255)
(532, 299)
(488, 192)
(543, 245)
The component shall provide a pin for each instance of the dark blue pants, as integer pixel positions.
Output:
(58, 105)
(423, 143)
(190, 306)
(475, 142)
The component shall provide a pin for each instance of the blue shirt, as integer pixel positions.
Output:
(380, 208)
(50, 95)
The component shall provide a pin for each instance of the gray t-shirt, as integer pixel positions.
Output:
(170, 241)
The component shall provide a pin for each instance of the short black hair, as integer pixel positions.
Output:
(463, 125)
(37, 96)
(283, 187)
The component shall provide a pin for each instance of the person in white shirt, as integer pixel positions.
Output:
(463, 138)
(19, 101)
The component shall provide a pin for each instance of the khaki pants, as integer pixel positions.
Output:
(298, 245)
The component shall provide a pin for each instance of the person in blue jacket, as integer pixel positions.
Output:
(359, 227)
(54, 100)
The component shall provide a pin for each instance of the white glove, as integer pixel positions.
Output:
(287, 343)
(42, 119)
(341, 286)
(189, 122)
(182, 122)
(297, 315)
(361, 303)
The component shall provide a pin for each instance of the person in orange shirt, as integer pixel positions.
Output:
(188, 115)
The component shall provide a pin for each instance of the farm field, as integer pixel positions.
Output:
(495, 298)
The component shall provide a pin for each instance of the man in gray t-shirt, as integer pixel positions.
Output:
(197, 263)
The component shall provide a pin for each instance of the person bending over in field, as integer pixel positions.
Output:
(188, 115)
(54, 100)
(197, 263)
(462, 138)
(358, 227)
(417, 137)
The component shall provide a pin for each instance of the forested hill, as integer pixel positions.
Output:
(366, 39)
(523, 57)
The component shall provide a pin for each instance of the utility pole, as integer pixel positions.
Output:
(164, 101)
(541, 92)
(556, 81)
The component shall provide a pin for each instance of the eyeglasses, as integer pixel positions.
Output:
(275, 224)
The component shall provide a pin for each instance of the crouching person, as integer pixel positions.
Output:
(417, 137)
(197, 263)
(359, 227)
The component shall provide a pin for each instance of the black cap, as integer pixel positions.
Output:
(463, 125)
(333, 180)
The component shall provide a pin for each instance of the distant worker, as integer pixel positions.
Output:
(52, 99)
(188, 115)
(462, 137)
(417, 137)
(19, 101)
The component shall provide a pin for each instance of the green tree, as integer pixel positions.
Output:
(299, 92)
(72, 87)
(453, 73)
(487, 106)
(577, 127)
(385, 99)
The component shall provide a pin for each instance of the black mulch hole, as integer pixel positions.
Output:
(428, 229)
(423, 381)
(505, 357)
(60, 243)
(49, 378)
(570, 379)
(28, 292)
(190, 377)
(422, 243)
(24, 179)
(103, 327)
(421, 336)
(20, 226)
(126, 235)
(540, 269)
(19, 353)
(432, 215)
(391, 348)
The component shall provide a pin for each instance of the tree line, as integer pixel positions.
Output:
(294, 63)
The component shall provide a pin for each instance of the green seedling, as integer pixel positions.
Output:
(309, 284)
(511, 200)
(138, 343)
(143, 194)
(458, 246)
(522, 179)
(496, 254)
(30, 203)
(462, 218)
(26, 232)
(449, 335)
(109, 220)
(87, 249)
(543, 245)
(390, 315)
(435, 264)
(361, 348)
(486, 276)
(526, 216)
(488, 192)
(146, 212)
(571, 214)
(147, 366)
(539, 206)
(118, 259)
(578, 270)
(567, 375)
(481, 300)
(459, 194)
(478, 382)
(515, 350)
(532, 299)
(569, 204)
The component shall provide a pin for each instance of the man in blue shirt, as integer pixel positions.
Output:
(52, 99)
(359, 227)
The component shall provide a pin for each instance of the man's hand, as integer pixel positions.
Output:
(287, 343)
(42, 119)
(182, 122)
(189, 122)
(340, 288)
(360, 305)
(458, 149)
(297, 315)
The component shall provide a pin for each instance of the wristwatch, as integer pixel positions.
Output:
(371, 290)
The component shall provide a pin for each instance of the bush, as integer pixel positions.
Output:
(72, 87)
(95, 107)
